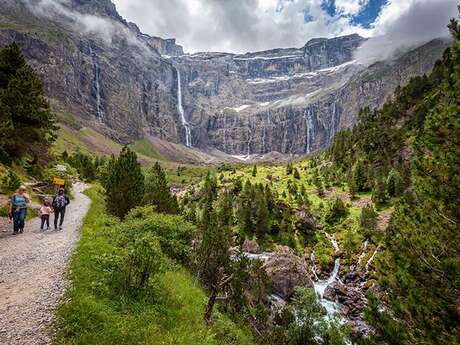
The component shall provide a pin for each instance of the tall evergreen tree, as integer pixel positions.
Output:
(245, 206)
(26, 122)
(368, 219)
(261, 213)
(213, 255)
(359, 176)
(11, 60)
(157, 191)
(394, 183)
(125, 184)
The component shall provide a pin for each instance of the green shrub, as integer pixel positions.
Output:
(11, 181)
(173, 232)
(4, 210)
(140, 259)
(337, 211)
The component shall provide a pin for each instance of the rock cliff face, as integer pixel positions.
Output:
(103, 72)
(288, 100)
(111, 78)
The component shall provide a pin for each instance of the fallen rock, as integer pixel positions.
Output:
(358, 329)
(330, 294)
(287, 271)
(305, 221)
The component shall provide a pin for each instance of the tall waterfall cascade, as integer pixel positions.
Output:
(180, 109)
(97, 84)
(310, 130)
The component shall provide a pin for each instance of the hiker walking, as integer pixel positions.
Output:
(18, 209)
(60, 202)
(45, 212)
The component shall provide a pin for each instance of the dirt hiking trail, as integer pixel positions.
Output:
(32, 272)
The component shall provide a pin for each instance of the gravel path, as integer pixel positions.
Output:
(32, 269)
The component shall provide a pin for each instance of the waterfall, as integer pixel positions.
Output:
(180, 108)
(363, 253)
(313, 264)
(334, 243)
(308, 115)
(97, 84)
(334, 120)
(369, 262)
(249, 140)
(320, 287)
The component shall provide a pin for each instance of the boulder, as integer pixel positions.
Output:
(354, 299)
(287, 271)
(305, 221)
(358, 329)
(251, 246)
(330, 294)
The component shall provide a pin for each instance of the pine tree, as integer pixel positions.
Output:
(296, 174)
(261, 214)
(352, 188)
(368, 219)
(157, 191)
(318, 184)
(245, 208)
(125, 184)
(379, 193)
(11, 60)
(24, 111)
(254, 171)
(213, 255)
(289, 169)
(337, 210)
(359, 176)
(394, 184)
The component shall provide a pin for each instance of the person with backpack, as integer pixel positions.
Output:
(18, 209)
(60, 202)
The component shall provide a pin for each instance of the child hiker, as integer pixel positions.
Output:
(45, 212)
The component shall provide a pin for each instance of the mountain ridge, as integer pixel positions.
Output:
(128, 89)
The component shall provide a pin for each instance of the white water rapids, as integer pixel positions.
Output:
(180, 108)
(319, 286)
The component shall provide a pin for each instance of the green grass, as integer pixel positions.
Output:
(68, 141)
(145, 147)
(185, 175)
(171, 313)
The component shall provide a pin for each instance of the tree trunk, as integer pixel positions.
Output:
(210, 305)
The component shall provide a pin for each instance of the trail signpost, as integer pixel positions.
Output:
(58, 181)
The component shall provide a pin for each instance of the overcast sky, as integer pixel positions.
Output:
(251, 25)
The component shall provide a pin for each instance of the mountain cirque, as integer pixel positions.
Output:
(126, 85)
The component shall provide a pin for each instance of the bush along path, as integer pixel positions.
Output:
(32, 269)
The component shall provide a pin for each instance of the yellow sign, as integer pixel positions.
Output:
(58, 181)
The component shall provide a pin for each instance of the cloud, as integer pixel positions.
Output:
(237, 25)
(252, 25)
(404, 24)
(106, 29)
(350, 7)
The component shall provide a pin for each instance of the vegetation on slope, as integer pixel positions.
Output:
(410, 149)
(103, 308)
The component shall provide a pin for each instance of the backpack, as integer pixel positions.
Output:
(60, 202)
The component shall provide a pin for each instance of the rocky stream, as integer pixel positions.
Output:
(341, 294)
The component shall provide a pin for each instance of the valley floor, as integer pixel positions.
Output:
(32, 269)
